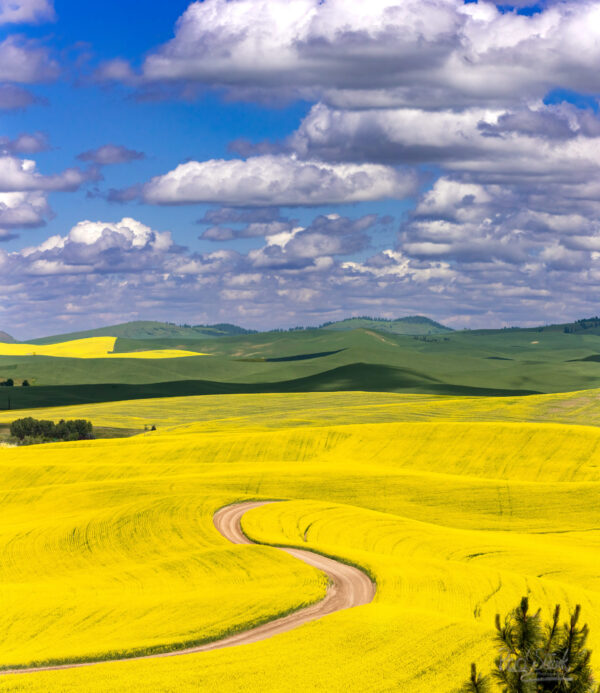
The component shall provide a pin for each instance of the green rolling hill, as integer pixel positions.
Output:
(412, 325)
(490, 362)
(172, 336)
(148, 330)
(6, 338)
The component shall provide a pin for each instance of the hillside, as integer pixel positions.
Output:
(186, 336)
(171, 334)
(502, 362)
(5, 338)
(589, 326)
(411, 325)
(148, 330)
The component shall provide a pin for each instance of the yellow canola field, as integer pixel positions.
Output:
(235, 413)
(112, 574)
(108, 546)
(91, 348)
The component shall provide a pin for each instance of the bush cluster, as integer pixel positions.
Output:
(32, 430)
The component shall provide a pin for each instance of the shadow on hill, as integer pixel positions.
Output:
(356, 376)
(593, 357)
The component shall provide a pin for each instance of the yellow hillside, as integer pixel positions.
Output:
(268, 411)
(108, 546)
(91, 348)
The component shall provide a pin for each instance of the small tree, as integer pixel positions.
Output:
(536, 657)
(477, 683)
(25, 383)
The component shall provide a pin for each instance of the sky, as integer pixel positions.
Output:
(274, 163)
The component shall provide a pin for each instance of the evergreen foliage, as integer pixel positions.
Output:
(536, 657)
(476, 683)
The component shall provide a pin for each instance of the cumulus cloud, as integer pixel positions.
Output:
(25, 61)
(425, 53)
(506, 226)
(308, 274)
(253, 230)
(13, 98)
(277, 180)
(98, 247)
(26, 11)
(230, 223)
(26, 143)
(19, 175)
(300, 247)
(457, 140)
(111, 154)
(23, 209)
(241, 215)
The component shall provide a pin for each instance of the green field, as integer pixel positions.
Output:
(482, 363)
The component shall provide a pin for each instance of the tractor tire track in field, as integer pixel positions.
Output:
(348, 587)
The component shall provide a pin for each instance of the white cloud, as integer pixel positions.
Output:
(391, 264)
(19, 175)
(23, 209)
(26, 143)
(451, 199)
(133, 232)
(420, 52)
(111, 154)
(26, 11)
(277, 180)
(56, 267)
(123, 247)
(25, 62)
(458, 141)
(305, 278)
(13, 98)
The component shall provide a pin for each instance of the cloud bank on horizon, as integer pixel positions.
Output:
(386, 158)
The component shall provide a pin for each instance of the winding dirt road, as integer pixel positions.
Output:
(348, 587)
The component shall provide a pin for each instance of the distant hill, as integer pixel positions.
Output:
(151, 334)
(6, 338)
(150, 330)
(589, 326)
(494, 362)
(414, 325)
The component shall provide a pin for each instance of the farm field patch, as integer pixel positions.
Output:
(91, 348)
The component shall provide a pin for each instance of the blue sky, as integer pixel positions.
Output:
(280, 163)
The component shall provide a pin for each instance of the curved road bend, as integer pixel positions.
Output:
(348, 587)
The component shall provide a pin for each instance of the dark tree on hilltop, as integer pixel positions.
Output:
(538, 657)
